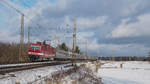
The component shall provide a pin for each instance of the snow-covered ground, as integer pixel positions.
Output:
(84, 75)
(133, 72)
(29, 76)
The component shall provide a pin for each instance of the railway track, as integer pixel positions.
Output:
(24, 66)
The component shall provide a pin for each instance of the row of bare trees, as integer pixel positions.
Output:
(9, 53)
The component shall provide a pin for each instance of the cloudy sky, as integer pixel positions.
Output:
(112, 27)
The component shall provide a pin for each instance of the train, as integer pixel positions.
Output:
(41, 51)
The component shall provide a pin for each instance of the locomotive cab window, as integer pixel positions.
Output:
(35, 47)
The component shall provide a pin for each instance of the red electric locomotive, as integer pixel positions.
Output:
(41, 51)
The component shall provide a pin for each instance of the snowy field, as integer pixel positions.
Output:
(133, 72)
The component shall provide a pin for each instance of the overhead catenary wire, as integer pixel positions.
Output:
(38, 26)
(11, 6)
(20, 12)
(28, 5)
(35, 12)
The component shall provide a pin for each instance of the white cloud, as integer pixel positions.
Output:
(131, 8)
(61, 5)
(36, 10)
(84, 35)
(91, 22)
(83, 22)
(92, 45)
(124, 49)
(133, 29)
(89, 15)
(7, 37)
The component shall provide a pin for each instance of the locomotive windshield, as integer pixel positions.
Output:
(35, 47)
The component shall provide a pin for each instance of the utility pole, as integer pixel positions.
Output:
(74, 42)
(21, 53)
(86, 44)
(28, 36)
(74, 36)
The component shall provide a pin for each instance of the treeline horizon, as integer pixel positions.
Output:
(124, 58)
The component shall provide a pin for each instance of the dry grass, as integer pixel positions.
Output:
(9, 53)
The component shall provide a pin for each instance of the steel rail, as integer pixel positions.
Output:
(8, 69)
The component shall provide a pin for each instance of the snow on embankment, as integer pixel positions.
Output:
(84, 73)
(132, 72)
(29, 76)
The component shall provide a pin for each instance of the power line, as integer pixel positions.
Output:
(12, 6)
(20, 12)
(28, 5)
